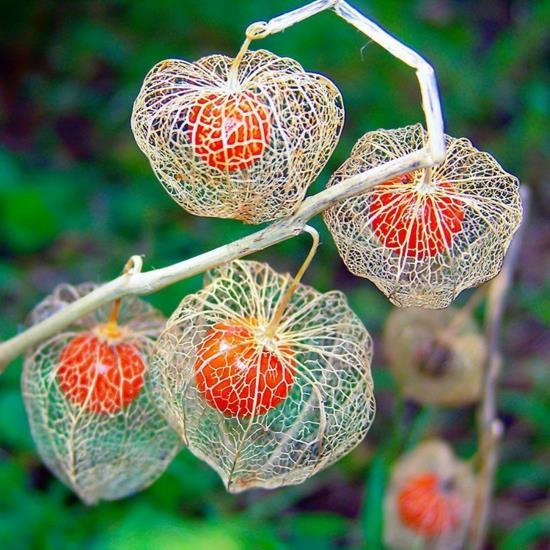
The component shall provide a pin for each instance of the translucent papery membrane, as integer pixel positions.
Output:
(102, 437)
(325, 404)
(422, 248)
(246, 150)
(437, 358)
(456, 485)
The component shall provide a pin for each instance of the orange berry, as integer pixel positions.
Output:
(229, 131)
(99, 376)
(415, 224)
(240, 377)
(427, 506)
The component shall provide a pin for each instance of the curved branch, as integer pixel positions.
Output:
(425, 73)
(150, 281)
(490, 427)
(145, 283)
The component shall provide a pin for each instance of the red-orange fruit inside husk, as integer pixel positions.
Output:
(229, 131)
(100, 376)
(412, 223)
(428, 505)
(240, 377)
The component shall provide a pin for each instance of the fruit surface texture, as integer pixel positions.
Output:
(238, 375)
(100, 376)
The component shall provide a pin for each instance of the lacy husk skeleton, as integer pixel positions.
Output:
(107, 452)
(426, 282)
(294, 121)
(137, 283)
(320, 342)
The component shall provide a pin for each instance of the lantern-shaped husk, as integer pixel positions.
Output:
(421, 239)
(437, 357)
(263, 408)
(88, 399)
(244, 145)
(429, 501)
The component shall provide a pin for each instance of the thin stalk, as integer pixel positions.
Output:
(489, 426)
(146, 283)
(132, 266)
(254, 32)
(287, 296)
(113, 317)
(233, 71)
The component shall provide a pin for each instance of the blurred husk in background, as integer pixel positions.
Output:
(77, 198)
(437, 357)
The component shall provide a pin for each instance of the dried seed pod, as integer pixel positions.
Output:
(437, 357)
(422, 242)
(429, 501)
(243, 144)
(88, 399)
(265, 405)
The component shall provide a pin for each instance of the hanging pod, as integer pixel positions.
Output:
(267, 380)
(425, 236)
(237, 138)
(88, 400)
(437, 357)
(429, 501)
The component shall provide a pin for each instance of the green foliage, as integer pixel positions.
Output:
(144, 528)
(77, 198)
(528, 532)
(372, 520)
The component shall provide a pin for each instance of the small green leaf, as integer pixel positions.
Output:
(372, 515)
(523, 473)
(528, 532)
(533, 410)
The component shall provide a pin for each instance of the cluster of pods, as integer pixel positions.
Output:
(266, 380)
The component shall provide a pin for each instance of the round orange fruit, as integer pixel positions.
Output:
(100, 376)
(229, 132)
(428, 505)
(412, 223)
(239, 376)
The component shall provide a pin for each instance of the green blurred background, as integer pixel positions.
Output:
(77, 198)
